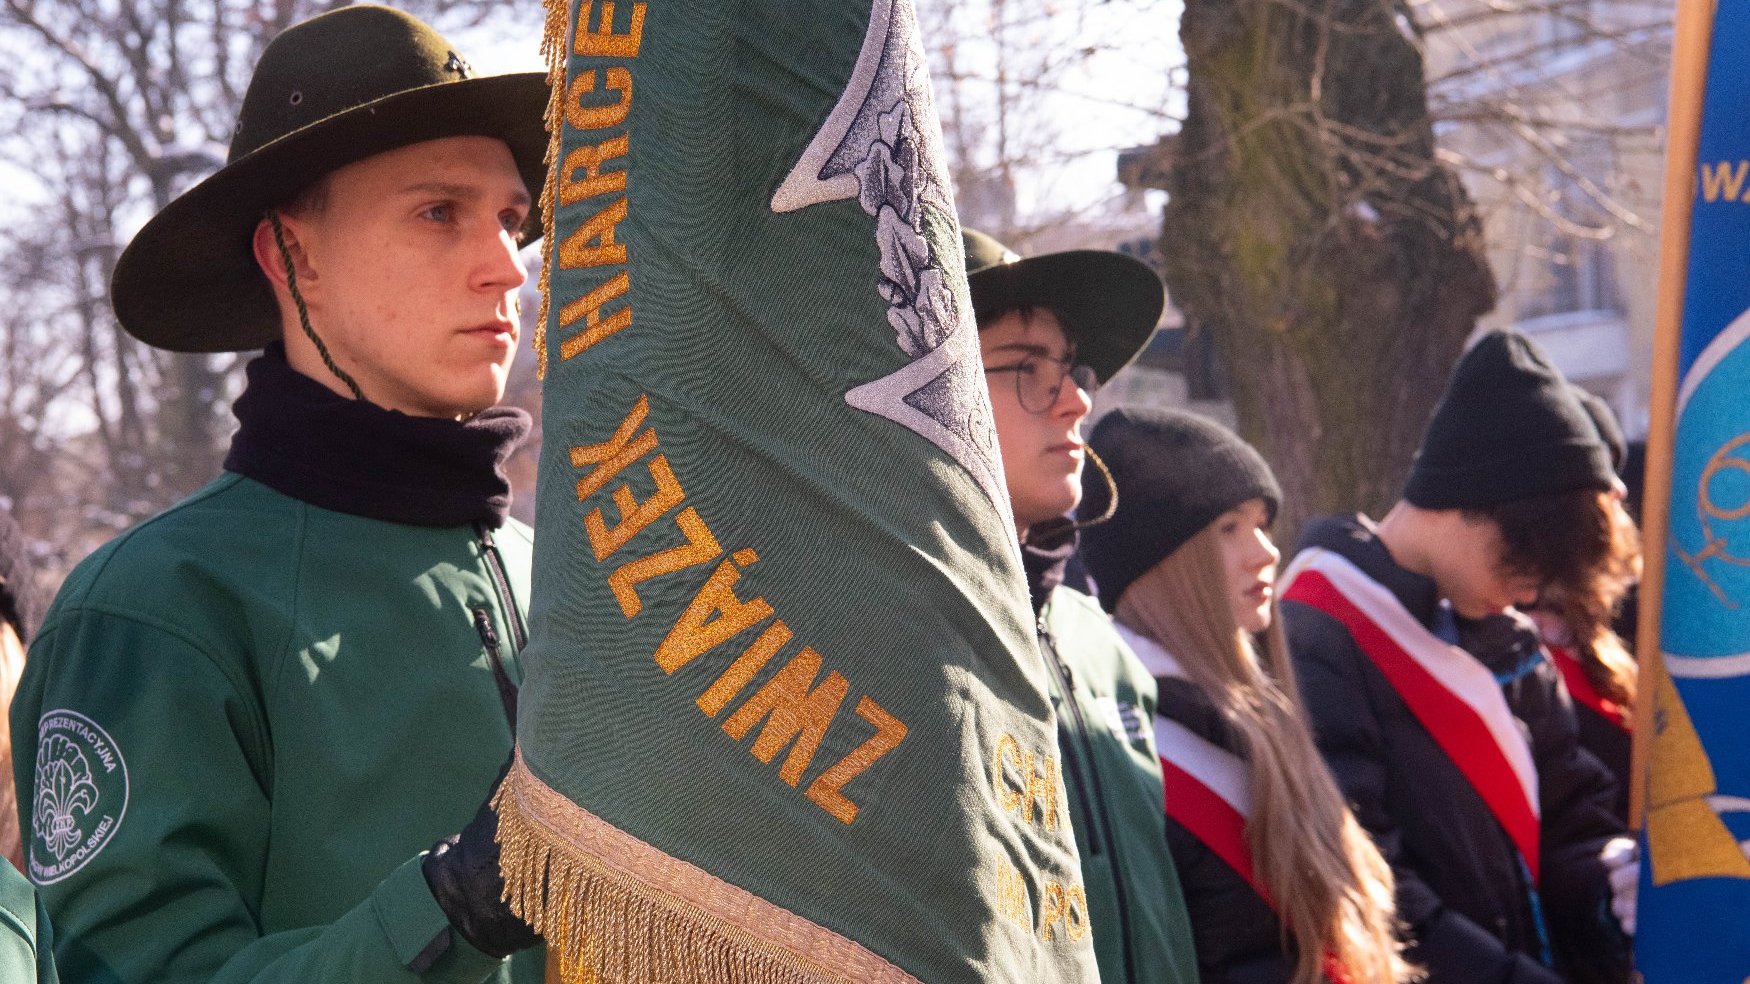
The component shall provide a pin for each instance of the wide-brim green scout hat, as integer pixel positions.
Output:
(335, 89)
(1108, 303)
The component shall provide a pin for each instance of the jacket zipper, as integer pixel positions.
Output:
(507, 691)
(1091, 798)
(489, 639)
(519, 633)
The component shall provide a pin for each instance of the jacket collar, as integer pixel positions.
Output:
(1045, 556)
(1356, 539)
(303, 440)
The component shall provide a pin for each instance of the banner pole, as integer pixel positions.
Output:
(1694, 30)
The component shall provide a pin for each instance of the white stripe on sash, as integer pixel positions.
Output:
(1455, 670)
(1155, 659)
(1223, 772)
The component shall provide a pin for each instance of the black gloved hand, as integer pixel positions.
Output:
(462, 871)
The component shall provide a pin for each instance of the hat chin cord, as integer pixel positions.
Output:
(279, 239)
(1111, 492)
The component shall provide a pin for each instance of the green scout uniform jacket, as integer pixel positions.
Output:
(241, 724)
(1112, 775)
(25, 939)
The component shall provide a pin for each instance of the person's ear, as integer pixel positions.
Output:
(273, 260)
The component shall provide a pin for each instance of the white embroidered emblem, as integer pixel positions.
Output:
(80, 797)
(881, 145)
(1121, 718)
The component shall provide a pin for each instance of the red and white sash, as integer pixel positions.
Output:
(1208, 788)
(1581, 689)
(1451, 694)
(1207, 794)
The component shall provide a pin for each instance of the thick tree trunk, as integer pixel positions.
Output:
(1337, 265)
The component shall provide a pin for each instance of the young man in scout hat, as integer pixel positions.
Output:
(1444, 723)
(246, 720)
(1050, 329)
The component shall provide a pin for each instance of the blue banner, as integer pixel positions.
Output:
(1695, 882)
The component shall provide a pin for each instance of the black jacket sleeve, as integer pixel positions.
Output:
(1577, 793)
(1341, 691)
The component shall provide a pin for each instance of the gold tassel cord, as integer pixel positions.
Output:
(615, 910)
(553, 46)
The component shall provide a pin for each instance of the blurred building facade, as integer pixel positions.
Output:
(1555, 114)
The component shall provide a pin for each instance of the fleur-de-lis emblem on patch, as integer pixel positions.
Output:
(459, 65)
(64, 793)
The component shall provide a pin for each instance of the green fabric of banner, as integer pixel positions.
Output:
(784, 718)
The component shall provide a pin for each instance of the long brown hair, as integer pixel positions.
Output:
(1585, 550)
(1331, 886)
(11, 668)
(1588, 605)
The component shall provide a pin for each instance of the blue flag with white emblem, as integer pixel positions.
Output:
(1695, 880)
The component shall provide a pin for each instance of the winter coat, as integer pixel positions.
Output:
(1238, 935)
(1605, 726)
(1105, 702)
(1463, 890)
(243, 721)
(274, 709)
(1607, 741)
(25, 938)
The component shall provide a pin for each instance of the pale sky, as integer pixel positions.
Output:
(1125, 92)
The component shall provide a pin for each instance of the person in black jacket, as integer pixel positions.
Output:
(1577, 626)
(1280, 881)
(1441, 717)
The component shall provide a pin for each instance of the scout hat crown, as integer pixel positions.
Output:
(1508, 428)
(1175, 473)
(335, 89)
(1109, 303)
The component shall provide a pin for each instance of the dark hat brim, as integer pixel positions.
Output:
(188, 282)
(1109, 303)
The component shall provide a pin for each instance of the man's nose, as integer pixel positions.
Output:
(1073, 400)
(502, 266)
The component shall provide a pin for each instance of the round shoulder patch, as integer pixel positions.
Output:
(80, 798)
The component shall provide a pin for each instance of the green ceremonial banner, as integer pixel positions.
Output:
(784, 717)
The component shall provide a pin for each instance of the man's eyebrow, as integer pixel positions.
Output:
(463, 192)
(1029, 349)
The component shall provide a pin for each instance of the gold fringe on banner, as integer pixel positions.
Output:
(553, 48)
(615, 910)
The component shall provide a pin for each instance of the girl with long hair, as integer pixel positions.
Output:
(1281, 882)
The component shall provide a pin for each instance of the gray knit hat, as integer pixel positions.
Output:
(1175, 473)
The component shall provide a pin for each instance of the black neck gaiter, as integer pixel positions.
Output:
(302, 439)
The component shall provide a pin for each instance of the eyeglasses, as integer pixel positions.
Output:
(1039, 380)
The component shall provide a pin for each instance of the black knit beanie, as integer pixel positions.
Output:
(1508, 428)
(1175, 472)
(1609, 431)
(15, 588)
